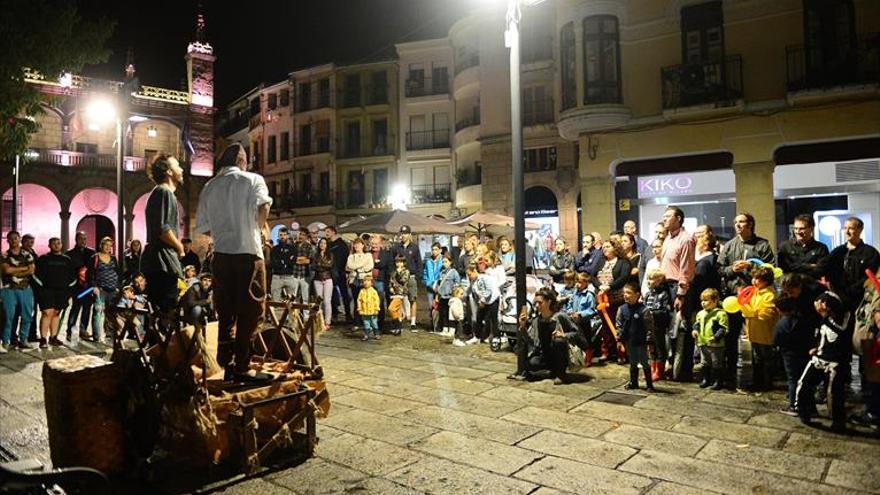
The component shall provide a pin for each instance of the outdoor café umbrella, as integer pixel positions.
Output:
(390, 223)
(481, 220)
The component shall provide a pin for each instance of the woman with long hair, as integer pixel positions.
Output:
(322, 265)
(613, 273)
(632, 254)
(358, 266)
(506, 255)
(103, 274)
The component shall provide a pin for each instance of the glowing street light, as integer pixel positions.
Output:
(100, 112)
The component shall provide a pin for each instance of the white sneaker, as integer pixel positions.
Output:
(413, 329)
(458, 343)
(472, 341)
(3, 349)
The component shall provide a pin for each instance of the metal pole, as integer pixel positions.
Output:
(519, 222)
(120, 217)
(16, 170)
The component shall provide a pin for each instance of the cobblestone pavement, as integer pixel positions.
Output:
(412, 414)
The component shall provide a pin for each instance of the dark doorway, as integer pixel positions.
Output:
(96, 227)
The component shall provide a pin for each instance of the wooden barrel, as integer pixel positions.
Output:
(84, 413)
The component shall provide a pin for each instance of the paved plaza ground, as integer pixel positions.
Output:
(412, 414)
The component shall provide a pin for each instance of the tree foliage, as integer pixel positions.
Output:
(50, 37)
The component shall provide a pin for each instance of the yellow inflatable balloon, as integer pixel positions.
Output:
(777, 272)
(731, 305)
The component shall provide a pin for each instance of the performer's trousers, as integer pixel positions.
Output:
(239, 296)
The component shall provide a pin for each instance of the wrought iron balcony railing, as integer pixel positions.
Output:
(431, 193)
(427, 140)
(718, 82)
(815, 68)
(426, 86)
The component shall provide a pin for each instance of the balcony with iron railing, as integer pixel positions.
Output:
(320, 144)
(815, 68)
(363, 96)
(466, 62)
(537, 112)
(468, 119)
(430, 194)
(707, 83)
(302, 199)
(362, 198)
(315, 101)
(426, 86)
(427, 140)
(65, 158)
(364, 148)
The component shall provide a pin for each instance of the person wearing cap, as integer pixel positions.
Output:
(410, 252)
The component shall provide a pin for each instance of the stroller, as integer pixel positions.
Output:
(508, 320)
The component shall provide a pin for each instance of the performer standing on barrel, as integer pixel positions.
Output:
(233, 209)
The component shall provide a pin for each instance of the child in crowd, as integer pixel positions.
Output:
(830, 359)
(190, 277)
(368, 307)
(710, 327)
(398, 287)
(443, 287)
(569, 280)
(634, 323)
(761, 315)
(581, 309)
(124, 321)
(794, 337)
(659, 303)
(456, 315)
(487, 296)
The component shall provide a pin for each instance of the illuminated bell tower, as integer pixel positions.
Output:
(200, 78)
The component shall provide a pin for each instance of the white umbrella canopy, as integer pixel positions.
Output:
(390, 223)
(481, 219)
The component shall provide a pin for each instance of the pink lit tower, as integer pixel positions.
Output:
(200, 77)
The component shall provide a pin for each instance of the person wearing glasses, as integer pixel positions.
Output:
(802, 253)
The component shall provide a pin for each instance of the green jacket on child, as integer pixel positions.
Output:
(711, 326)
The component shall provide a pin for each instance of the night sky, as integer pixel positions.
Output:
(262, 40)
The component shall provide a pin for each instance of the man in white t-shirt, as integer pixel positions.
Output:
(233, 209)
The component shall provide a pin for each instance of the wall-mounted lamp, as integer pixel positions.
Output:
(152, 132)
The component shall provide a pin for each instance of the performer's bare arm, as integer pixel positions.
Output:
(170, 238)
(263, 218)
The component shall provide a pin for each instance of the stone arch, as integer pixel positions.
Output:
(92, 201)
(96, 227)
(38, 214)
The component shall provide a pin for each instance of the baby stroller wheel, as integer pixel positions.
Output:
(495, 344)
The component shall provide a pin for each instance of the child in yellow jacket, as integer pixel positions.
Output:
(368, 307)
(761, 316)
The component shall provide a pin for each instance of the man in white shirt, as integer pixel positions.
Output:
(233, 209)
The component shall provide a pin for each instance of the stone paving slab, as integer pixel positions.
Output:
(340, 376)
(524, 396)
(442, 477)
(453, 371)
(763, 402)
(468, 403)
(258, 486)
(473, 425)
(577, 448)
(863, 475)
(378, 427)
(793, 424)
(336, 390)
(477, 452)
(625, 414)
(560, 421)
(584, 391)
(370, 456)
(461, 385)
(317, 476)
(667, 488)
(734, 432)
(645, 438)
(575, 477)
(396, 361)
(385, 386)
(772, 460)
(717, 476)
(839, 447)
(376, 402)
(693, 408)
(397, 374)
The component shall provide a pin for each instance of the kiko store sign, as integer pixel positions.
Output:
(714, 182)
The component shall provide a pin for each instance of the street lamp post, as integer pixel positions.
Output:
(511, 39)
(15, 180)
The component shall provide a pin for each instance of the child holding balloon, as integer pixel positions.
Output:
(760, 315)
